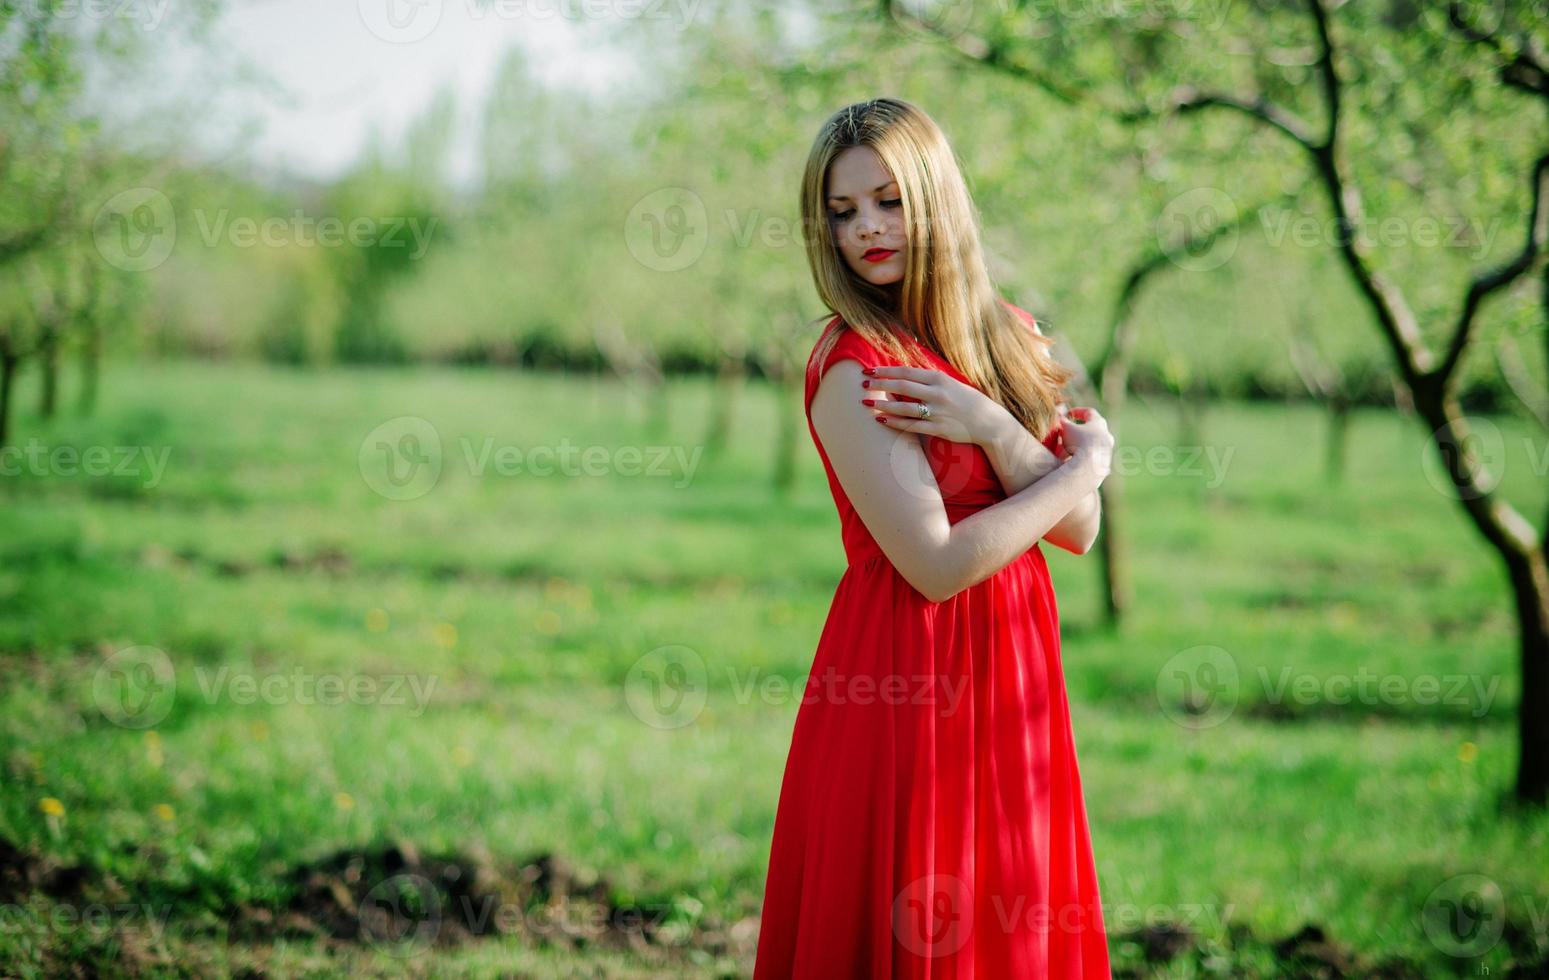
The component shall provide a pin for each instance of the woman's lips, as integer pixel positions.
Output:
(879, 254)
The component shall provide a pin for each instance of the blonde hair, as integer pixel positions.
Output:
(948, 301)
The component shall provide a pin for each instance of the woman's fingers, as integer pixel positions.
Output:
(898, 386)
(922, 375)
(924, 427)
(894, 406)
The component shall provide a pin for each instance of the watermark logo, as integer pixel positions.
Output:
(135, 687)
(1482, 442)
(944, 18)
(135, 230)
(1198, 687)
(668, 687)
(401, 458)
(401, 916)
(1198, 220)
(934, 915)
(401, 21)
(668, 229)
(1464, 915)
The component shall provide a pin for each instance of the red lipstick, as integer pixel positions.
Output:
(879, 254)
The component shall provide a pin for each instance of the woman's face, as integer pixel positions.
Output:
(867, 216)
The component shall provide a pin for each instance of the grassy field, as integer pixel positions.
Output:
(256, 693)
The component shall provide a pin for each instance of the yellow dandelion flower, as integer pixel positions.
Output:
(446, 635)
(376, 620)
(260, 730)
(51, 807)
(344, 801)
(1468, 752)
(164, 811)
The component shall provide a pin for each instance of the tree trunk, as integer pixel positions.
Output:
(1530, 589)
(91, 360)
(1115, 572)
(1191, 411)
(49, 397)
(8, 362)
(787, 398)
(1338, 439)
(728, 385)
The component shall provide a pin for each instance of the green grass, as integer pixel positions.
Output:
(520, 603)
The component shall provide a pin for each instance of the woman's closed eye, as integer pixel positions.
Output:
(845, 215)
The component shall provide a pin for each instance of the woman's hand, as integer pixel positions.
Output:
(1086, 434)
(958, 412)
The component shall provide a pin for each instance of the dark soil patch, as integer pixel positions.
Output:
(27, 873)
(1375, 713)
(1307, 954)
(402, 902)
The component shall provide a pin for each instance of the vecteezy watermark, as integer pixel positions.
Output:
(37, 458)
(402, 459)
(1200, 688)
(1466, 915)
(307, 231)
(1199, 229)
(72, 918)
(408, 21)
(936, 914)
(301, 686)
(146, 15)
(137, 229)
(1472, 236)
(1206, 461)
(136, 687)
(403, 915)
(669, 686)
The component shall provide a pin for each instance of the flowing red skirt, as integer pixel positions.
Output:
(931, 821)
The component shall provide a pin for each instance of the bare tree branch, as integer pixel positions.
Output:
(1504, 275)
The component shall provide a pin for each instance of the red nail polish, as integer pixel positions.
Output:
(868, 371)
(868, 401)
(865, 384)
(882, 418)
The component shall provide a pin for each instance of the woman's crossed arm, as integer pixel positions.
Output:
(888, 480)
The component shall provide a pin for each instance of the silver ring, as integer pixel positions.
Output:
(924, 410)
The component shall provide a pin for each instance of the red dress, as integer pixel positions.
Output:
(931, 822)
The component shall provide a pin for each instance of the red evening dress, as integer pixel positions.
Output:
(931, 822)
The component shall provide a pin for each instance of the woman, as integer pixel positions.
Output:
(931, 821)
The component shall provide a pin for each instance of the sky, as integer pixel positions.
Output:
(339, 69)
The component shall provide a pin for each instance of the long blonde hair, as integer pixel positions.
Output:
(948, 301)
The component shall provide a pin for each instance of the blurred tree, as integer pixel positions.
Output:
(1398, 67)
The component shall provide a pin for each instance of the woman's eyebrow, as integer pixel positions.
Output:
(874, 190)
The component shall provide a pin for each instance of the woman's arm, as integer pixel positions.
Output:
(1020, 460)
(889, 481)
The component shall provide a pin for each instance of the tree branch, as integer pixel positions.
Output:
(1504, 275)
